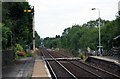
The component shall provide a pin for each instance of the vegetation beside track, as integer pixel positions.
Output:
(79, 37)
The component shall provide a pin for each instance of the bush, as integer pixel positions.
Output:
(19, 52)
(82, 56)
(29, 55)
(18, 47)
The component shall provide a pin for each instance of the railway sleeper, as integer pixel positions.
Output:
(62, 59)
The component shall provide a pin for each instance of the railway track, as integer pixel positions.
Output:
(57, 69)
(103, 74)
(74, 69)
(57, 55)
(106, 68)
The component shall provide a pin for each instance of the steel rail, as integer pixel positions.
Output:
(86, 70)
(63, 67)
(44, 58)
(97, 69)
(77, 66)
(100, 69)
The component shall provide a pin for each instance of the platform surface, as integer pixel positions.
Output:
(40, 70)
(116, 60)
(20, 68)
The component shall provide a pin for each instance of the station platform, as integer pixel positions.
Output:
(40, 70)
(109, 59)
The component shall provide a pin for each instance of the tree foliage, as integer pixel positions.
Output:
(16, 24)
(80, 37)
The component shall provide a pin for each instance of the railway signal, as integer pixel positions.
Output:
(32, 11)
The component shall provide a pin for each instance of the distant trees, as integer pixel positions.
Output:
(52, 42)
(86, 35)
(37, 40)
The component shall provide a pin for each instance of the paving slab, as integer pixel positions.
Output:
(23, 68)
(40, 70)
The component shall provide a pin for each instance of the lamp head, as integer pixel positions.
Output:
(93, 8)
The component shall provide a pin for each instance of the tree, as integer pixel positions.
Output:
(86, 35)
(5, 36)
(37, 40)
(18, 23)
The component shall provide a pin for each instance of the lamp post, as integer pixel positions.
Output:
(32, 11)
(100, 52)
(119, 8)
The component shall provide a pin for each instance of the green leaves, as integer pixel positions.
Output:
(80, 37)
(17, 27)
(5, 35)
(18, 47)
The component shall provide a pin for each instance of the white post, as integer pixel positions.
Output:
(33, 31)
(99, 33)
(99, 30)
(119, 7)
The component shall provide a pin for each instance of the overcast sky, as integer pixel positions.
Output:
(53, 16)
